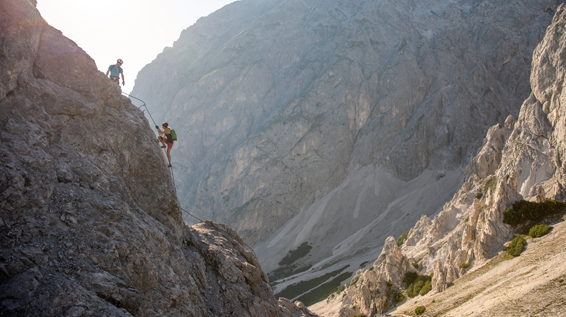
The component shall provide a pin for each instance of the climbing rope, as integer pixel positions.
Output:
(143, 105)
(172, 174)
(149, 113)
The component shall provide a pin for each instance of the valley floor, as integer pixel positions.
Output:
(533, 284)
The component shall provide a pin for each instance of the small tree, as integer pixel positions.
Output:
(417, 284)
(410, 277)
(527, 210)
(415, 288)
(426, 288)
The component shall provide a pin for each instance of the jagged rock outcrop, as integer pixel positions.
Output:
(296, 309)
(521, 160)
(372, 290)
(90, 224)
(306, 117)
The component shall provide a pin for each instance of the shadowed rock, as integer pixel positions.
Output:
(90, 224)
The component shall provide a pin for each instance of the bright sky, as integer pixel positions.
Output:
(133, 30)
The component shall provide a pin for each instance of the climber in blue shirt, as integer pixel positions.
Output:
(115, 71)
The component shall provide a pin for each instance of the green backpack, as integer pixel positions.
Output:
(173, 135)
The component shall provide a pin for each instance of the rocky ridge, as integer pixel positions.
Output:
(304, 118)
(520, 160)
(90, 224)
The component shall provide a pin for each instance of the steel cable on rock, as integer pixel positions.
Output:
(172, 174)
(144, 105)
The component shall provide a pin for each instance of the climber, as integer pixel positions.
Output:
(168, 136)
(115, 71)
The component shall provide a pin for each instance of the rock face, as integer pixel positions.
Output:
(521, 160)
(90, 224)
(300, 118)
(373, 289)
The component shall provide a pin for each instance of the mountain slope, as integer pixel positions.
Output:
(90, 224)
(461, 245)
(334, 124)
(529, 285)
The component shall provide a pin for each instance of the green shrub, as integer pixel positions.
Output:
(352, 282)
(410, 277)
(340, 289)
(389, 284)
(517, 246)
(420, 310)
(416, 265)
(417, 284)
(402, 238)
(398, 297)
(479, 195)
(371, 268)
(539, 230)
(526, 210)
(465, 265)
(415, 288)
(426, 288)
(467, 219)
(358, 315)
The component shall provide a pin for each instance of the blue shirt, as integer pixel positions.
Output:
(115, 71)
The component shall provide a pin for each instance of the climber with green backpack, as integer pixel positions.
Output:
(168, 136)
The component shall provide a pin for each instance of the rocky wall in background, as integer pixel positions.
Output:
(337, 123)
(520, 160)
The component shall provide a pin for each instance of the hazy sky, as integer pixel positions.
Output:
(133, 30)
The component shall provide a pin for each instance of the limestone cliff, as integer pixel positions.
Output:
(521, 160)
(334, 124)
(90, 224)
